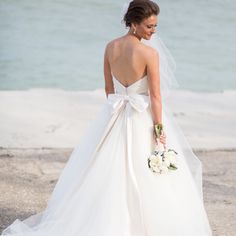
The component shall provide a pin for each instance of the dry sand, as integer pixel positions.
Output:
(57, 118)
(28, 176)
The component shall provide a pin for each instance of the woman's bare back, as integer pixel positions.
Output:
(127, 60)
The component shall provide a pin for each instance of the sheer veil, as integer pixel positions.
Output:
(168, 82)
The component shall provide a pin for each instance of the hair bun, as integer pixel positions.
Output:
(139, 10)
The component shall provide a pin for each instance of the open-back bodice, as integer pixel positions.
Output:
(139, 87)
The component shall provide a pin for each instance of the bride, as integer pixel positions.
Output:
(107, 187)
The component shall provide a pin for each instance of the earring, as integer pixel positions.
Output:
(134, 31)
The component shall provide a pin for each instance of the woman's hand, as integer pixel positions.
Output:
(162, 138)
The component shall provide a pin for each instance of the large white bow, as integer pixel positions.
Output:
(138, 101)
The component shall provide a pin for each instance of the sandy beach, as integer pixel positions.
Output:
(58, 119)
(39, 129)
(27, 178)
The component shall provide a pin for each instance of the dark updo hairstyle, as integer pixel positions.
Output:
(139, 10)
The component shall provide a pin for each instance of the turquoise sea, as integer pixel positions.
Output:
(60, 43)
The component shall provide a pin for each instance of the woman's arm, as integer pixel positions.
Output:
(153, 73)
(154, 86)
(109, 87)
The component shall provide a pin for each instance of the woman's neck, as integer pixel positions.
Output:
(134, 36)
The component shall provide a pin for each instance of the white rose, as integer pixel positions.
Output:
(152, 164)
(155, 161)
(164, 169)
(166, 162)
(159, 158)
(170, 156)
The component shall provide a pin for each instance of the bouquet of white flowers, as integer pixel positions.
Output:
(162, 160)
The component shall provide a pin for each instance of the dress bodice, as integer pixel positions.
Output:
(138, 87)
(136, 95)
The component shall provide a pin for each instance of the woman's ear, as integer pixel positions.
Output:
(133, 27)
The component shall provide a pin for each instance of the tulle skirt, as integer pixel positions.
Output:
(107, 189)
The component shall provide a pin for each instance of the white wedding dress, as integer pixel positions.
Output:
(106, 187)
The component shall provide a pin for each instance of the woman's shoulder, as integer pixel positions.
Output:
(145, 51)
(148, 50)
(113, 42)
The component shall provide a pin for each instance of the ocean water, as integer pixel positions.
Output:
(60, 43)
